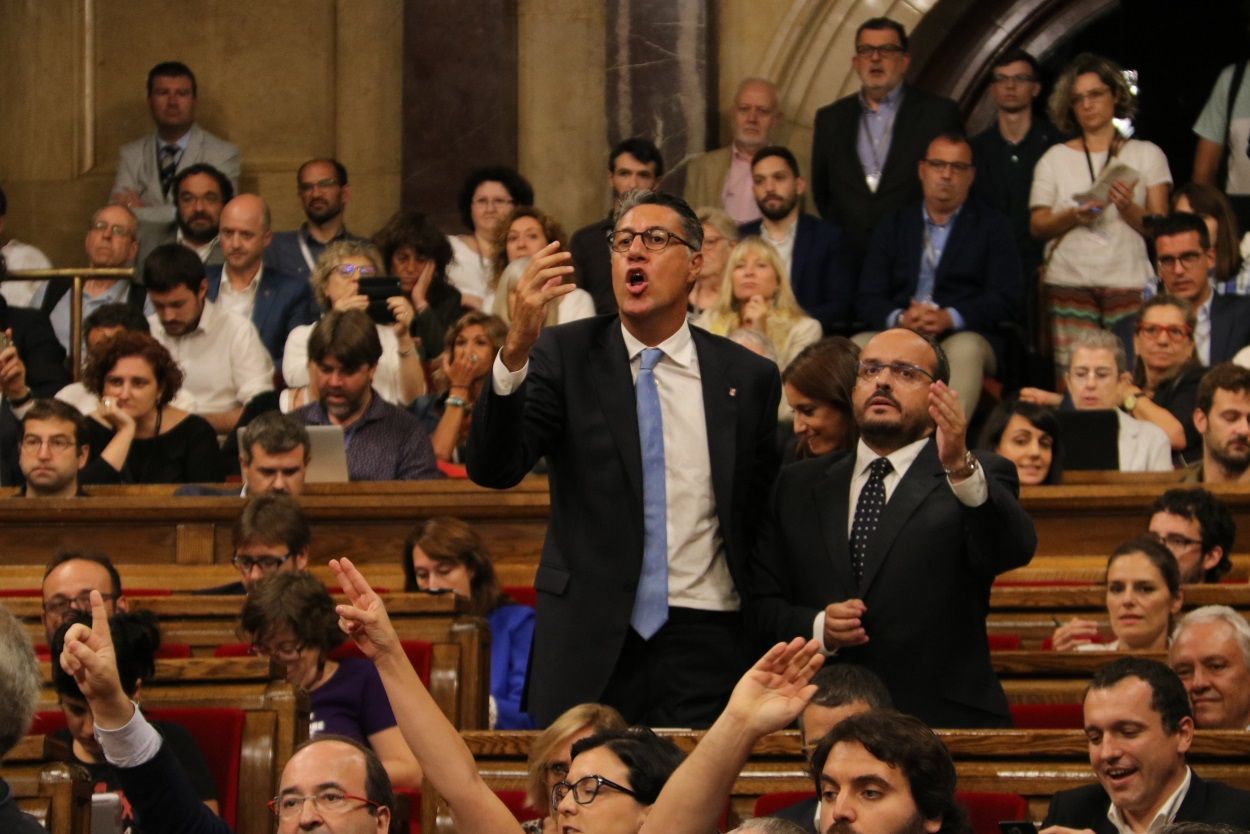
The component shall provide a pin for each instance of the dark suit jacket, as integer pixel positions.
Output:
(838, 184)
(38, 348)
(283, 303)
(1211, 802)
(164, 798)
(802, 814)
(577, 407)
(821, 274)
(592, 262)
(926, 580)
(1230, 328)
(978, 274)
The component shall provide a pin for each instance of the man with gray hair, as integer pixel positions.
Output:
(1210, 652)
(722, 177)
(660, 441)
(1098, 379)
(19, 691)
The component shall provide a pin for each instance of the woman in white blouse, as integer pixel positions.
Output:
(400, 379)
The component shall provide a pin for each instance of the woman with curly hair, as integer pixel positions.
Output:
(1096, 261)
(522, 233)
(418, 254)
(136, 435)
(486, 196)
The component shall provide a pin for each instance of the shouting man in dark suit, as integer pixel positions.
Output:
(660, 446)
(1139, 725)
(886, 554)
(866, 146)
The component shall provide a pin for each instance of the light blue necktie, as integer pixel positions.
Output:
(651, 600)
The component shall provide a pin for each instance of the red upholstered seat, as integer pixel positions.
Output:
(514, 798)
(232, 650)
(167, 651)
(770, 803)
(987, 810)
(420, 655)
(218, 732)
(522, 594)
(1003, 642)
(1047, 716)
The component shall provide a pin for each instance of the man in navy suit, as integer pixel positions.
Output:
(660, 441)
(1184, 259)
(865, 144)
(1139, 725)
(276, 302)
(812, 250)
(946, 267)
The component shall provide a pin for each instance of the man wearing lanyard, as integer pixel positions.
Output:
(865, 145)
(947, 267)
(324, 192)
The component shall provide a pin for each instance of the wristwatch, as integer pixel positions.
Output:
(965, 471)
(1130, 402)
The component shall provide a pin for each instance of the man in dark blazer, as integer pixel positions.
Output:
(281, 302)
(1139, 724)
(820, 271)
(946, 266)
(866, 145)
(890, 564)
(623, 520)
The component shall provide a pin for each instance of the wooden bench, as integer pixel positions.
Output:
(276, 719)
(460, 666)
(55, 793)
(1034, 764)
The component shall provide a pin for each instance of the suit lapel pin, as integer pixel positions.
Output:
(733, 392)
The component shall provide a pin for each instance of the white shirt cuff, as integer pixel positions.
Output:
(505, 381)
(972, 491)
(131, 744)
(818, 634)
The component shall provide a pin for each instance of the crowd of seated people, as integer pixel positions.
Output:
(1143, 306)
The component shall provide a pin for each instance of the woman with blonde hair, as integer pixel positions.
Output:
(551, 754)
(720, 235)
(472, 342)
(335, 278)
(755, 293)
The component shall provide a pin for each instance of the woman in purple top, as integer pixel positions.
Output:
(444, 554)
(289, 617)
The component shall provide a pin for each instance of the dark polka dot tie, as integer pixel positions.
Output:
(868, 514)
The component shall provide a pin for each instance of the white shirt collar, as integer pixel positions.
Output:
(679, 347)
(900, 459)
(253, 285)
(1167, 812)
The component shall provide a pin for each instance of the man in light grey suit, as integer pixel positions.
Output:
(146, 166)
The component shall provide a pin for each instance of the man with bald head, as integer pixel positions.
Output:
(276, 301)
(722, 177)
(331, 783)
(886, 552)
(112, 243)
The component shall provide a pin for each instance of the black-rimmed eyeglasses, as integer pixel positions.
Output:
(585, 790)
(655, 238)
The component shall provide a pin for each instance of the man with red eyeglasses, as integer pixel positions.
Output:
(1184, 258)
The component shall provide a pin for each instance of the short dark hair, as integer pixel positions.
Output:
(223, 182)
(47, 408)
(295, 599)
(172, 69)
(780, 152)
(415, 229)
(1178, 223)
(272, 520)
(168, 375)
(1167, 696)
(1011, 56)
(1223, 376)
(1157, 554)
(377, 783)
(86, 556)
(906, 743)
(136, 637)
(839, 684)
(348, 336)
(951, 137)
(691, 226)
(117, 315)
(518, 188)
(643, 150)
(172, 265)
(340, 170)
(1218, 527)
(649, 759)
(1042, 418)
(877, 24)
(941, 365)
(275, 433)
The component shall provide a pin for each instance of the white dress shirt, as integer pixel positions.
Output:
(240, 302)
(785, 246)
(698, 573)
(1165, 815)
(223, 358)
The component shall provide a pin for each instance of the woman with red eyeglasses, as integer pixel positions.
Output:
(1164, 389)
